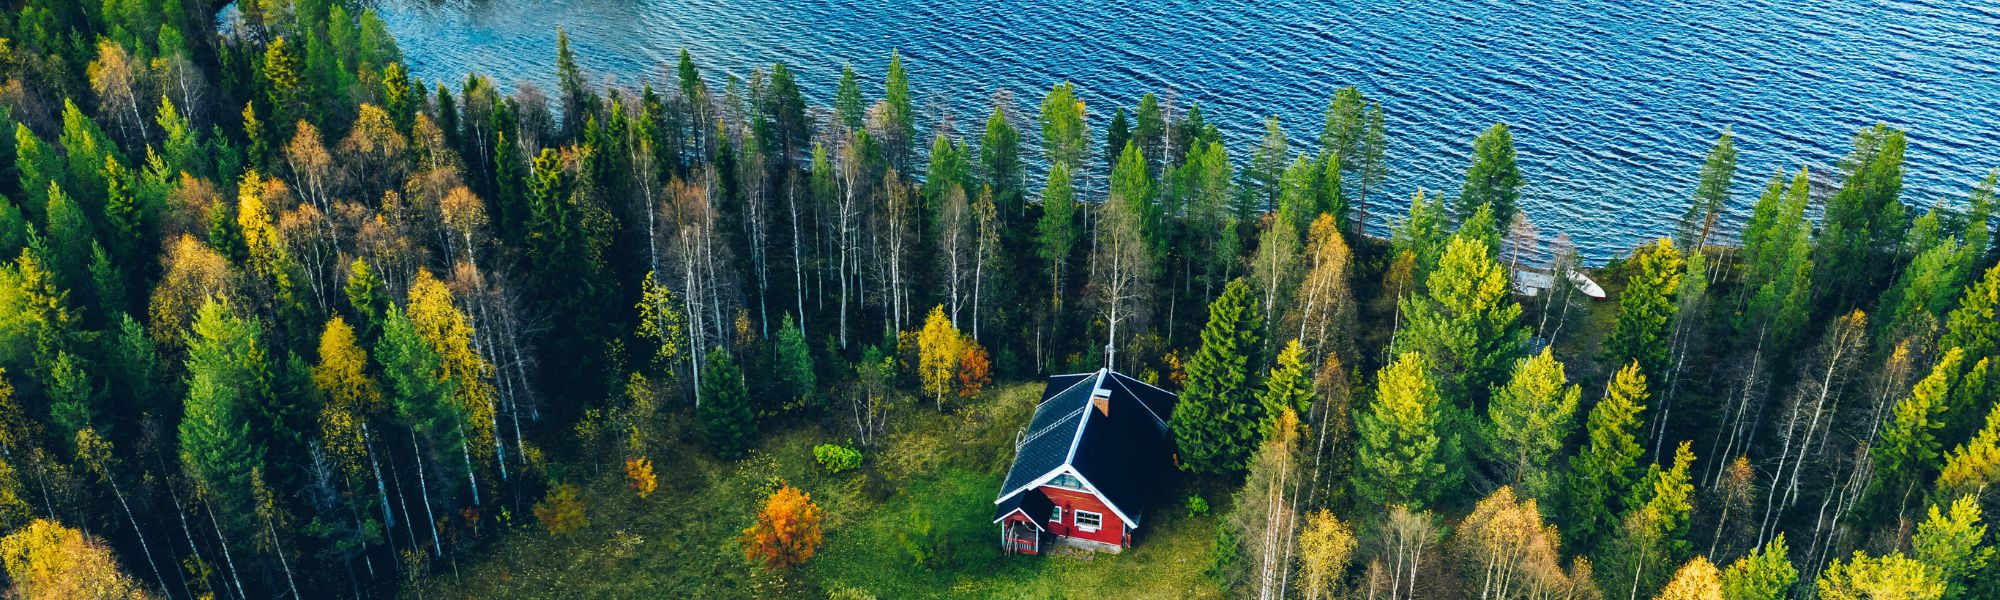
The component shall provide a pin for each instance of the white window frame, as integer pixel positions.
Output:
(1098, 518)
(1057, 519)
(1074, 483)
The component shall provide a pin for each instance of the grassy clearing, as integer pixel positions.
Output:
(940, 468)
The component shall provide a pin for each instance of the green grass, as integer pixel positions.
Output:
(944, 468)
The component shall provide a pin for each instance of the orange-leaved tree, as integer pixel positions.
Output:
(975, 370)
(787, 530)
(639, 476)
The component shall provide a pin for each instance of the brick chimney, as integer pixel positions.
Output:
(1101, 398)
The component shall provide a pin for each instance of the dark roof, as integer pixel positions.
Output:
(1121, 455)
(1052, 432)
(1034, 504)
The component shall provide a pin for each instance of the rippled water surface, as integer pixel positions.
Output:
(1613, 103)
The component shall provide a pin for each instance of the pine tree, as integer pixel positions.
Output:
(1056, 233)
(417, 390)
(1908, 448)
(72, 396)
(1952, 542)
(1973, 326)
(283, 84)
(1493, 178)
(1646, 309)
(1065, 135)
(1865, 220)
(724, 408)
(1467, 328)
(794, 363)
(1608, 463)
(1405, 456)
(1711, 195)
(1975, 465)
(37, 164)
(1217, 422)
(578, 100)
(1532, 416)
(1764, 574)
(1655, 525)
(1422, 234)
(900, 126)
(1865, 577)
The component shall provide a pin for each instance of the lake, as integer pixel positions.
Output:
(1613, 104)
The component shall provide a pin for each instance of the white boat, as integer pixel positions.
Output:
(1533, 282)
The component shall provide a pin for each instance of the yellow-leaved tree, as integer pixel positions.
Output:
(351, 396)
(48, 560)
(939, 348)
(448, 332)
(1696, 580)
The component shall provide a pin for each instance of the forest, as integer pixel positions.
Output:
(278, 319)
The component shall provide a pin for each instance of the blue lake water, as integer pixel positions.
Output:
(1612, 103)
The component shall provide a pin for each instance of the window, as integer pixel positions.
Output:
(1057, 517)
(1067, 480)
(1088, 521)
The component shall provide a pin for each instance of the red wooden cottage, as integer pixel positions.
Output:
(1087, 464)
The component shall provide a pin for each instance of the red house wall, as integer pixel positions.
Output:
(1111, 532)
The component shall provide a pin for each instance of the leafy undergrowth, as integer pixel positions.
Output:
(935, 469)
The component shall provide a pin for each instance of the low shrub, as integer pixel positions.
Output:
(836, 458)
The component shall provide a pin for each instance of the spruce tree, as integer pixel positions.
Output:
(1000, 163)
(1405, 456)
(724, 408)
(1605, 468)
(1289, 386)
(1217, 423)
(847, 104)
(215, 441)
(1116, 138)
(1646, 309)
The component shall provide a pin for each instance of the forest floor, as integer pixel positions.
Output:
(934, 470)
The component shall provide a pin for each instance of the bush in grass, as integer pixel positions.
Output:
(562, 511)
(1197, 506)
(927, 545)
(836, 458)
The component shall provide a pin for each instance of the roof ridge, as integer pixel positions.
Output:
(1064, 390)
(1070, 459)
(1142, 403)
